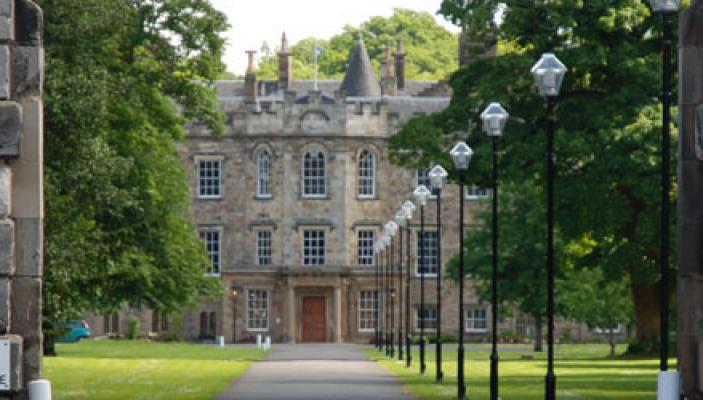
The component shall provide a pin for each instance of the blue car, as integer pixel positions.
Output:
(74, 331)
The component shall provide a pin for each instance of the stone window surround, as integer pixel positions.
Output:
(471, 319)
(319, 196)
(428, 307)
(260, 194)
(374, 301)
(372, 177)
(417, 252)
(198, 158)
(220, 230)
(312, 228)
(248, 292)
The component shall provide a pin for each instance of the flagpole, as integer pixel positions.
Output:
(316, 54)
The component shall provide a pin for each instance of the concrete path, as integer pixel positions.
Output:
(316, 372)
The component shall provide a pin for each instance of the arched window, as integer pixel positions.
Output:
(263, 162)
(367, 174)
(314, 174)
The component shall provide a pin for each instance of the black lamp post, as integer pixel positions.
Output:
(668, 9)
(391, 230)
(376, 250)
(401, 220)
(236, 291)
(461, 155)
(494, 119)
(549, 74)
(438, 178)
(386, 294)
(421, 194)
(408, 208)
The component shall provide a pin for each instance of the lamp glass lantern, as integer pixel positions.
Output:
(408, 209)
(438, 177)
(494, 118)
(549, 74)
(421, 194)
(666, 6)
(401, 219)
(461, 155)
(391, 228)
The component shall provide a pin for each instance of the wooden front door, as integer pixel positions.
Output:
(314, 319)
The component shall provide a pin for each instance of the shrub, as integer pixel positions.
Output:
(133, 329)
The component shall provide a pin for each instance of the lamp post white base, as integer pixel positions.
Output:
(39, 390)
(668, 385)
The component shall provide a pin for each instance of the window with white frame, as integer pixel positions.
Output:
(429, 251)
(367, 174)
(263, 187)
(368, 310)
(365, 244)
(476, 320)
(313, 247)
(258, 310)
(429, 316)
(474, 192)
(422, 177)
(212, 239)
(314, 174)
(209, 178)
(263, 247)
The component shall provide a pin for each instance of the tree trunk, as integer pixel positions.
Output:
(538, 333)
(49, 345)
(646, 301)
(612, 341)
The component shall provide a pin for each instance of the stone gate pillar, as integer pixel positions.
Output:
(21, 182)
(690, 203)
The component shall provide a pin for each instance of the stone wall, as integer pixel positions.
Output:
(21, 177)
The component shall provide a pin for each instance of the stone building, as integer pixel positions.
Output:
(291, 198)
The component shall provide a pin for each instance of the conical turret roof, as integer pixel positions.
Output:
(360, 80)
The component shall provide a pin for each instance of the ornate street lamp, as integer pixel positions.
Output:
(438, 178)
(401, 220)
(494, 119)
(420, 195)
(461, 155)
(391, 229)
(236, 291)
(549, 74)
(408, 208)
(668, 381)
(385, 242)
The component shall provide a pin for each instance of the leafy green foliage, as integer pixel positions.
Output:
(608, 125)
(121, 83)
(600, 303)
(431, 49)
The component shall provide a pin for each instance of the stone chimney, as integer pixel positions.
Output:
(285, 65)
(470, 51)
(250, 79)
(400, 65)
(389, 82)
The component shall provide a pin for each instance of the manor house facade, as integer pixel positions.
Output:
(290, 199)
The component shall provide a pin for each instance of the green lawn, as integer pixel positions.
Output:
(131, 370)
(583, 372)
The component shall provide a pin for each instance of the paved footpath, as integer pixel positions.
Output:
(316, 372)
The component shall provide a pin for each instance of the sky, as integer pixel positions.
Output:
(256, 21)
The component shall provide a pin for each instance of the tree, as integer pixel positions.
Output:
(522, 276)
(608, 121)
(431, 49)
(121, 82)
(599, 303)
